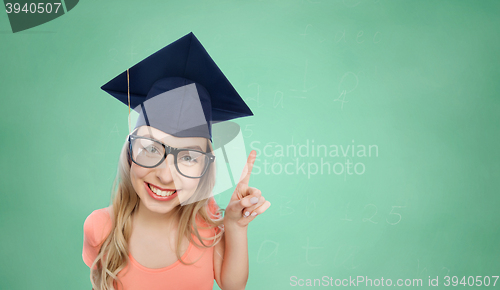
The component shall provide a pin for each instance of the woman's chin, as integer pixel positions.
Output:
(160, 208)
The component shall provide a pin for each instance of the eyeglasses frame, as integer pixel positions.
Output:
(171, 150)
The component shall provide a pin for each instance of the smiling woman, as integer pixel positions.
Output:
(160, 172)
(163, 227)
(152, 228)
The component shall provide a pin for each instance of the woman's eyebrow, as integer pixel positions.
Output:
(193, 147)
(149, 136)
(187, 147)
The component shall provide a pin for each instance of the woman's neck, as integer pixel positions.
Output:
(147, 219)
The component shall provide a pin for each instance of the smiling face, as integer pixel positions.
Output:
(162, 188)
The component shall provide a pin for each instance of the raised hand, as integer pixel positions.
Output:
(246, 202)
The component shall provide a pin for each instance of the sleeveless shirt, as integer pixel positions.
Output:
(134, 276)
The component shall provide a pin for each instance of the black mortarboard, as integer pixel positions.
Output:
(179, 90)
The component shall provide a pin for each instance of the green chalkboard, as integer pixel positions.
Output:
(376, 125)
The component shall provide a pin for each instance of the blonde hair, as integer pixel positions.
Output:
(113, 254)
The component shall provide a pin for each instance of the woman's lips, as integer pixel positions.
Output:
(158, 197)
(164, 189)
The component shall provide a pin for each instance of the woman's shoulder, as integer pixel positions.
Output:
(98, 225)
(213, 207)
(212, 210)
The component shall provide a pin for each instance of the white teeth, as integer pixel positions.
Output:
(161, 192)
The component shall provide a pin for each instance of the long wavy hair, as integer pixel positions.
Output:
(113, 255)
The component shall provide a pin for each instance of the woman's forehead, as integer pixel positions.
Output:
(171, 140)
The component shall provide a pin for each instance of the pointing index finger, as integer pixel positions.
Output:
(247, 170)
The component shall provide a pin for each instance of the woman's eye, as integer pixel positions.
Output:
(187, 158)
(151, 149)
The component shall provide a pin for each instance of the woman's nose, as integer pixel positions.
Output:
(166, 169)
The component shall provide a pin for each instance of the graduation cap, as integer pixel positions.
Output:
(182, 92)
(179, 90)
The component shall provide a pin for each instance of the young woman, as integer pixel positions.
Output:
(163, 229)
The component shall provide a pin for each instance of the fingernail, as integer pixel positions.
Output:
(254, 213)
(247, 213)
(254, 200)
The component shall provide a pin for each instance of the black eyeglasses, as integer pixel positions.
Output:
(149, 153)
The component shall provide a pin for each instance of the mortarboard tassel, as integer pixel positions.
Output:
(128, 93)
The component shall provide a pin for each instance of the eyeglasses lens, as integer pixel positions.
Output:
(191, 163)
